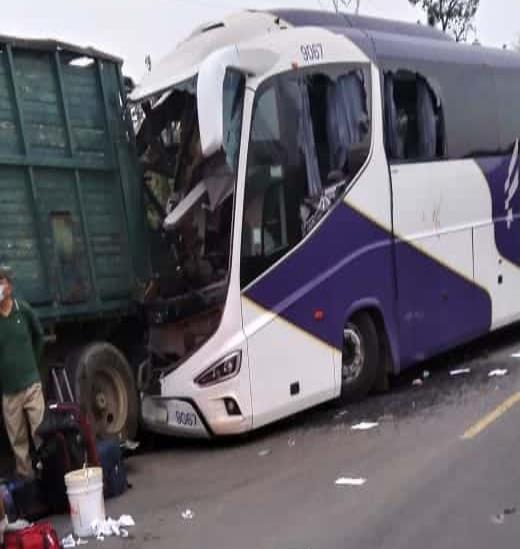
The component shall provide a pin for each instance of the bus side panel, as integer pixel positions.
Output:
(497, 243)
(436, 209)
(346, 259)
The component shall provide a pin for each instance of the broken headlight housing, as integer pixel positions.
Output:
(223, 370)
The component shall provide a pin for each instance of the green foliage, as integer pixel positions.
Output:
(453, 16)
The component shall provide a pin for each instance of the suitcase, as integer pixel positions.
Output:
(67, 444)
(37, 536)
(110, 456)
(29, 499)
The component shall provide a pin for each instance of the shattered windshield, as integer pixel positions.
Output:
(190, 197)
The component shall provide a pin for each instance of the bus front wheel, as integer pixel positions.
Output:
(360, 357)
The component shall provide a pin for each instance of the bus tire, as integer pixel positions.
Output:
(360, 357)
(104, 386)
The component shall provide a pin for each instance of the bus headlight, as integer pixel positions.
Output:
(222, 371)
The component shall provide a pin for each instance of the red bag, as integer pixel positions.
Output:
(38, 536)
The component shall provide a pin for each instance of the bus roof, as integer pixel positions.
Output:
(316, 18)
(390, 43)
(399, 44)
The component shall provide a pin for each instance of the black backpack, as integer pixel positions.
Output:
(66, 446)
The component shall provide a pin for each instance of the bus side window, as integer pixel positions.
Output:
(413, 118)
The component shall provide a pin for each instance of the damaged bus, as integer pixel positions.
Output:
(332, 199)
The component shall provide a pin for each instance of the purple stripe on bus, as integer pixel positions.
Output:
(348, 260)
(502, 174)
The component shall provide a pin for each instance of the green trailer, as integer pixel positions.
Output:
(72, 221)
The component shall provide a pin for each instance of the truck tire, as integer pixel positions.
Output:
(360, 357)
(104, 386)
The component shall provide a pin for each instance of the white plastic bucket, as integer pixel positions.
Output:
(85, 491)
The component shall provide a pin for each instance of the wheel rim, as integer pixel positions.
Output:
(107, 401)
(353, 354)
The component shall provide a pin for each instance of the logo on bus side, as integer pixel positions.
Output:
(512, 182)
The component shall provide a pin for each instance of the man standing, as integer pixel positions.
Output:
(21, 346)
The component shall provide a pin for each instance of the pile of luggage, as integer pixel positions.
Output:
(67, 444)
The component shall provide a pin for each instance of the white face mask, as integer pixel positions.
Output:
(2, 292)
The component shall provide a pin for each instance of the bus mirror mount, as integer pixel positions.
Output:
(210, 89)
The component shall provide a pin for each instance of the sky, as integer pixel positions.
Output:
(132, 29)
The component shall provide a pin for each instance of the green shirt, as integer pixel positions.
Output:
(21, 346)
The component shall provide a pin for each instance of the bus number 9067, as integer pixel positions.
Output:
(186, 419)
(312, 52)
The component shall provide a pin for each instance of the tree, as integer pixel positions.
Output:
(453, 16)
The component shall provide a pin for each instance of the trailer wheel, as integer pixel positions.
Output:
(360, 357)
(104, 386)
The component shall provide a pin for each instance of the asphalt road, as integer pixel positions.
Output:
(426, 485)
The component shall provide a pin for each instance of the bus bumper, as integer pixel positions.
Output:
(173, 416)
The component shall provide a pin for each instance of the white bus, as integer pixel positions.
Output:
(335, 198)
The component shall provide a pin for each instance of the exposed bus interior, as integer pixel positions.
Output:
(310, 136)
(414, 117)
(189, 212)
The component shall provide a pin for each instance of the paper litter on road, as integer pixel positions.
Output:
(426, 374)
(291, 443)
(110, 527)
(417, 382)
(348, 481)
(364, 426)
(187, 514)
(130, 445)
(500, 518)
(497, 519)
(70, 541)
(498, 373)
(460, 371)
(126, 521)
(264, 452)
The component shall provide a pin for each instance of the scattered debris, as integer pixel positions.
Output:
(70, 541)
(291, 443)
(364, 426)
(348, 481)
(500, 518)
(110, 527)
(460, 371)
(341, 413)
(130, 445)
(426, 374)
(498, 373)
(417, 382)
(126, 521)
(187, 514)
(264, 452)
